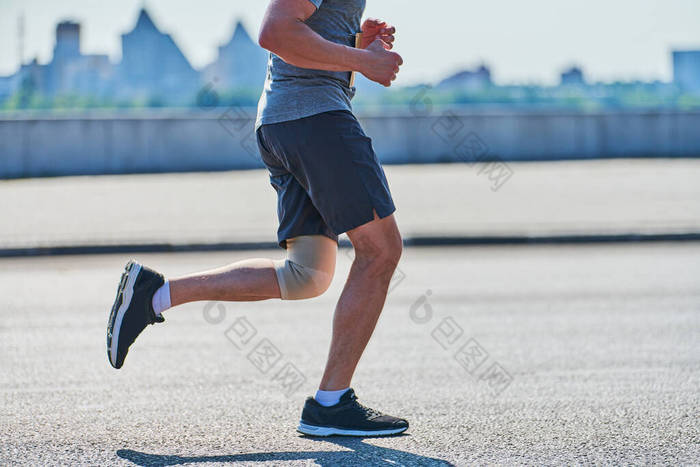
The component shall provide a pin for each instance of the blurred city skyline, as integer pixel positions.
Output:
(518, 46)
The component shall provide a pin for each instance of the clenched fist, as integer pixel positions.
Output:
(381, 65)
(377, 29)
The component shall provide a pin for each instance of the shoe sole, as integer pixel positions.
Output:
(324, 431)
(124, 295)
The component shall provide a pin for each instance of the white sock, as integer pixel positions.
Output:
(161, 299)
(328, 398)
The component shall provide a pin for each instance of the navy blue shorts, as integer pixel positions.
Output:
(327, 177)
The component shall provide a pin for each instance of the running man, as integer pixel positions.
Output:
(328, 181)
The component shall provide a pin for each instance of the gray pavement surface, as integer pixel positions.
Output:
(601, 197)
(499, 355)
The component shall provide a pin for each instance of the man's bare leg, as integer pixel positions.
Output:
(377, 253)
(244, 281)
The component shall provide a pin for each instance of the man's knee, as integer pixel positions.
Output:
(308, 270)
(380, 257)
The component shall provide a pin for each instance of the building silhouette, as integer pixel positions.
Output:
(68, 73)
(153, 67)
(153, 70)
(468, 80)
(573, 77)
(686, 69)
(71, 72)
(66, 52)
(240, 64)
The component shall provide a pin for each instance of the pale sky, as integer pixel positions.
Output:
(522, 41)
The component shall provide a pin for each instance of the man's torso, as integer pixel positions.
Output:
(291, 92)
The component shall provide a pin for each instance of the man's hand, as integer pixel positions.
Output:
(381, 65)
(373, 29)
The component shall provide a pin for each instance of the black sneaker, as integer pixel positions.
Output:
(347, 418)
(132, 310)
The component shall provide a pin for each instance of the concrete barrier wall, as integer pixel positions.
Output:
(220, 140)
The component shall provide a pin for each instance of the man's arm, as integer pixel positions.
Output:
(285, 34)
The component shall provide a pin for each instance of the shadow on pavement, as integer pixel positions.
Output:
(360, 453)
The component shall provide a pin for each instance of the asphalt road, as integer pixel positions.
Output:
(581, 198)
(519, 355)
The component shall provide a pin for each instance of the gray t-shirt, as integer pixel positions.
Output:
(291, 92)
